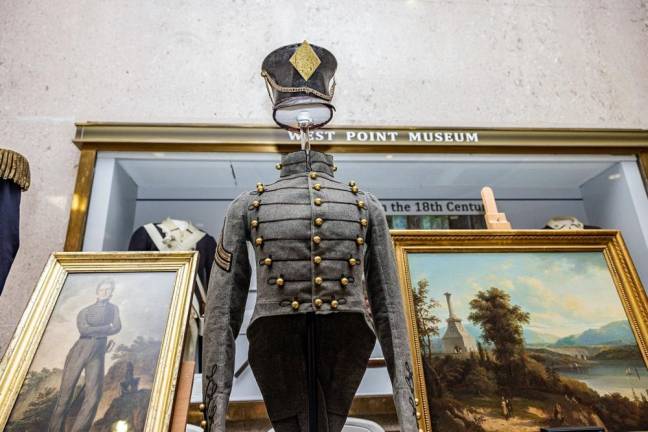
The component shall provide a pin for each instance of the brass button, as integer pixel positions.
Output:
(319, 221)
(318, 280)
(318, 303)
(364, 222)
(352, 183)
(278, 166)
(317, 259)
(201, 407)
(360, 240)
(280, 282)
(317, 239)
(334, 304)
(267, 261)
(318, 201)
(344, 281)
(313, 175)
(418, 415)
(203, 424)
(353, 261)
(360, 204)
(260, 187)
(254, 223)
(416, 401)
(294, 304)
(354, 189)
(256, 204)
(259, 241)
(317, 186)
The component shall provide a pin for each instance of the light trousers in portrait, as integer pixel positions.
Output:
(88, 353)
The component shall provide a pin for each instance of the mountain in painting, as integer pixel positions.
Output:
(532, 337)
(614, 333)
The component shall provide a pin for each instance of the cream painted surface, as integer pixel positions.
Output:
(526, 63)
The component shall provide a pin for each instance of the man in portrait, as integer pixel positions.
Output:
(95, 323)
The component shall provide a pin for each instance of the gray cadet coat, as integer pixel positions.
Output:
(321, 246)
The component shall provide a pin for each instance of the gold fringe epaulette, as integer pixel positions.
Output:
(14, 167)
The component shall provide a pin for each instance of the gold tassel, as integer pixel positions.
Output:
(14, 167)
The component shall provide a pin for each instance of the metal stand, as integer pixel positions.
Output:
(311, 371)
(305, 122)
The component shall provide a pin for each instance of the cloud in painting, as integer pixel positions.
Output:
(564, 292)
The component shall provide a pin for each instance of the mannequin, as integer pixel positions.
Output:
(319, 245)
(14, 179)
(175, 234)
(179, 235)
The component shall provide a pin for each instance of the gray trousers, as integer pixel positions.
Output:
(86, 354)
(278, 358)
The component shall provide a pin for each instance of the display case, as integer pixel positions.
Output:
(131, 175)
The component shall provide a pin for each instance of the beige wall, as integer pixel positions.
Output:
(532, 63)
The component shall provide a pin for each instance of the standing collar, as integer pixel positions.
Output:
(296, 163)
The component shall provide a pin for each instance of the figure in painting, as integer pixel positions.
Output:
(95, 323)
(505, 411)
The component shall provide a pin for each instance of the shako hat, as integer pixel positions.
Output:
(301, 80)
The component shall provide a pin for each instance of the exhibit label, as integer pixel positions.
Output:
(432, 207)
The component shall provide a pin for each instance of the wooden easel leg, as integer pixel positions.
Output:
(182, 397)
(185, 380)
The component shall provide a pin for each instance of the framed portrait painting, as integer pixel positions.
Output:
(522, 330)
(99, 346)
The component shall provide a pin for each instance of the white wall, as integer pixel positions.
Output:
(532, 63)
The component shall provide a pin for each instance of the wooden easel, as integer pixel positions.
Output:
(182, 397)
(184, 384)
(494, 219)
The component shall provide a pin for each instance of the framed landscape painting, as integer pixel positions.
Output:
(99, 346)
(518, 330)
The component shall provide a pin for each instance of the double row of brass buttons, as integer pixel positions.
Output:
(318, 302)
(317, 239)
(344, 281)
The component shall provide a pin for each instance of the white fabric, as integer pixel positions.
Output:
(175, 238)
(565, 223)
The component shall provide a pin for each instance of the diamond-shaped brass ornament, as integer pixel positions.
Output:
(305, 60)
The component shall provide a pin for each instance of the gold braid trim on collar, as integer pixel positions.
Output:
(14, 167)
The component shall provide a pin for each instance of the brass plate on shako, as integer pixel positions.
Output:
(305, 60)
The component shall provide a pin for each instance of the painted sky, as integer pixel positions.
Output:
(565, 293)
(143, 300)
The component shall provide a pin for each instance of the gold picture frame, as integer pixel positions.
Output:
(176, 268)
(609, 243)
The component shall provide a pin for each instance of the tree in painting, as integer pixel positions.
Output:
(500, 321)
(426, 321)
(501, 324)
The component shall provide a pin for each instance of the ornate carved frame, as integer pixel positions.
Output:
(27, 337)
(608, 242)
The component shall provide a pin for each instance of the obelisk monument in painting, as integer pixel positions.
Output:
(456, 339)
